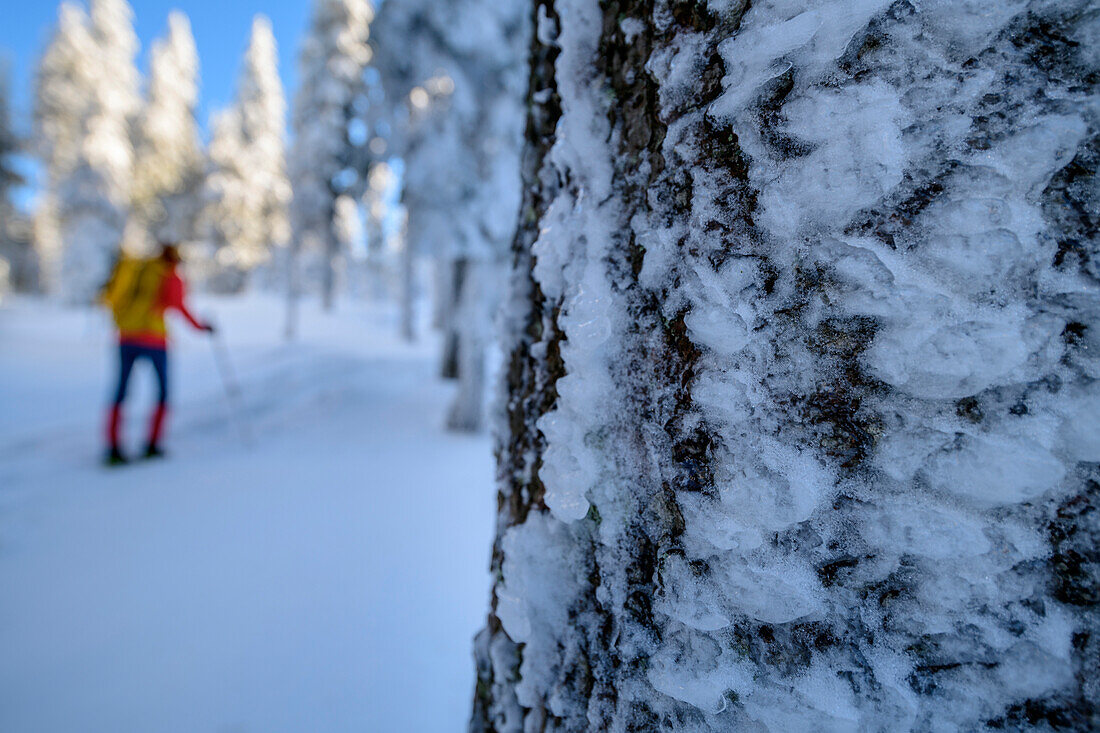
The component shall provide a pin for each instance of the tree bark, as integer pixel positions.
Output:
(800, 375)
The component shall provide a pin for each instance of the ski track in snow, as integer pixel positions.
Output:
(327, 577)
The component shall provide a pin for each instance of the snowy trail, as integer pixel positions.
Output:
(329, 578)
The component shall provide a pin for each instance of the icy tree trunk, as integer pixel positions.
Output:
(800, 423)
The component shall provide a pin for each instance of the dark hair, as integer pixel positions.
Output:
(170, 251)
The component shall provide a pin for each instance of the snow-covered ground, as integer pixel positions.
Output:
(326, 576)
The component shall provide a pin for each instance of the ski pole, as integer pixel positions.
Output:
(232, 387)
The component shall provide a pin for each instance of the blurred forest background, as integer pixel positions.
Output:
(391, 172)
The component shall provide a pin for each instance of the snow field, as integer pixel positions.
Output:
(329, 576)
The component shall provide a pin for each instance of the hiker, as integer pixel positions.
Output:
(139, 292)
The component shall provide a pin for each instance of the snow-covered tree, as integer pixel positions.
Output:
(227, 218)
(247, 191)
(14, 254)
(86, 98)
(379, 200)
(63, 98)
(63, 91)
(168, 165)
(9, 146)
(800, 423)
(454, 77)
(333, 58)
(262, 108)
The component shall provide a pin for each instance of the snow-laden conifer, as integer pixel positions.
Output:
(227, 216)
(168, 163)
(13, 253)
(247, 192)
(333, 57)
(10, 145)
(454, 77)
(86, 98)
(262, 109)
(62, 100)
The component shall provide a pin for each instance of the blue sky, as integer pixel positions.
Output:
(221, 30)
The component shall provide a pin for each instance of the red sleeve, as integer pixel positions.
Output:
(174, 297)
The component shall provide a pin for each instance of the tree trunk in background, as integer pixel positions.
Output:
(408, 290)
(293, 290)
(800, 424)
(452, 317)
(377, 280)
(473, 318)
(441, 291)
(333, 259)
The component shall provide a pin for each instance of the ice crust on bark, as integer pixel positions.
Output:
(799, 426)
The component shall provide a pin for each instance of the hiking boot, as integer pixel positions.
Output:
(115, 458)
(154, 451)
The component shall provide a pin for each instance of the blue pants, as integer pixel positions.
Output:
(130, 353)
